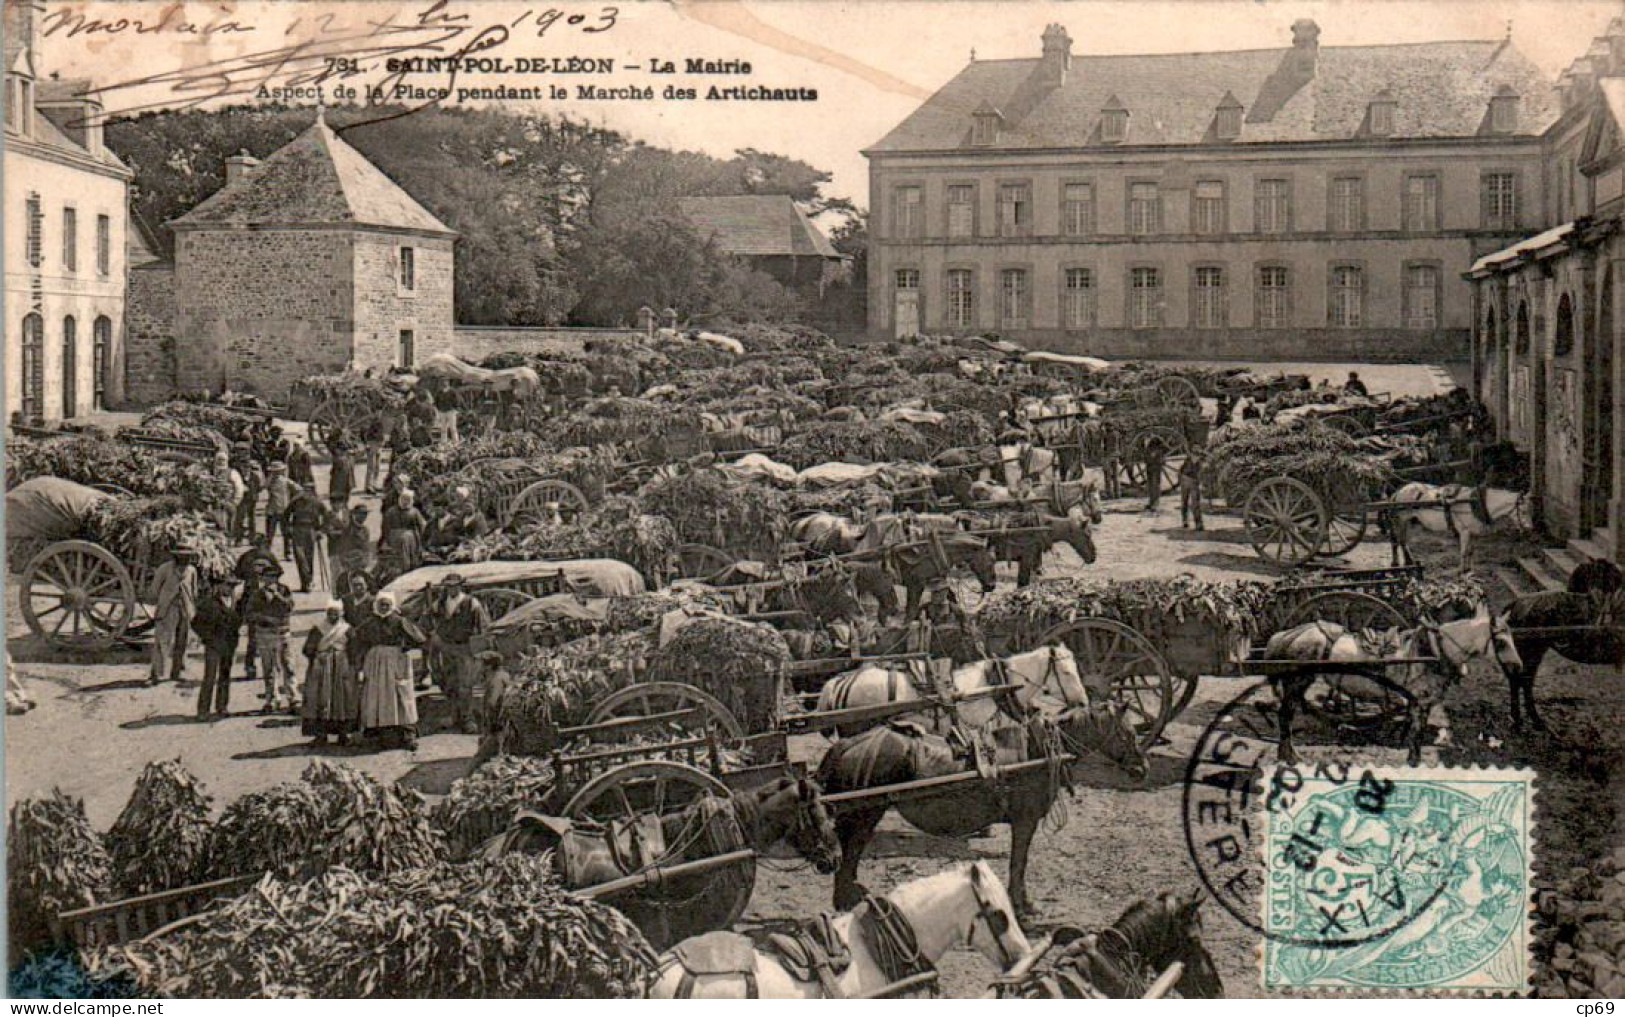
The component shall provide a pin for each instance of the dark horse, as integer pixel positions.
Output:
(1591, 600)
(904, 751)
(1121, 962)
(1029, 534)
(585, 853)
(921, 562)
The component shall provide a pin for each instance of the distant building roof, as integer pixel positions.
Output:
(754, 225)
(140, 246)
(1297, 93)
(317, 178)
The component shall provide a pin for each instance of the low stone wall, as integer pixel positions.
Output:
(476, 342)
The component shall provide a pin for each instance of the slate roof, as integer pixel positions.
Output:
(319, 179)
(1442, 89)
(755, 225)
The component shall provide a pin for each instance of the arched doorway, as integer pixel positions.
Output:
(101, 339)
(1598, 380)
(70, 367)
(1519, 391)
(33, 368)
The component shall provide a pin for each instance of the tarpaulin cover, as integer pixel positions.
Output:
(590, 577)
(523, 380)
(558, 607)
(48, 508)
(728, 343)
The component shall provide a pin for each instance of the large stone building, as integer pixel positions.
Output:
(1301, 202)
(1550, 311)
(66, 201)
(310, 262)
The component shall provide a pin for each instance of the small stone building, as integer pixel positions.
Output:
(310, 262)
(769, 233)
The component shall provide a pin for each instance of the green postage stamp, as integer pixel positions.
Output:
(1400, 879)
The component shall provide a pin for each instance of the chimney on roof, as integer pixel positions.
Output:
(1057, 58)
(1296, 69)
(240, 167)
(1615, 37)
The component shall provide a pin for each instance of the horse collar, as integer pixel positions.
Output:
(897, 945)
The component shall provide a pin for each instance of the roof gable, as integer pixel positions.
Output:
(756, 225)
(1440, 89)
(318, 179)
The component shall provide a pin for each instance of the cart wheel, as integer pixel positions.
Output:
(701, 561)
(656, 787)
(646, 699)
(1347, 423)
(1179, 391)
(1286, 521)
(498, 601)
(1345, 529)
(77, 595)
(1115, 659)
(546, 500)
(1351, 700)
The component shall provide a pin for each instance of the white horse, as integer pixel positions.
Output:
(962, 905)
(1452, 509)
(1048, 677)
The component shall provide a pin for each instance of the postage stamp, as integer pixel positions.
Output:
(1404, 879)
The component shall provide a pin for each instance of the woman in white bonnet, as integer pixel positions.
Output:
(332, 693)
(389, 710)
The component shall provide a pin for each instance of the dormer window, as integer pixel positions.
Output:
(1504, 111)
(1380, 115)
(985, 125)
(1113, 122)
(1227, 120)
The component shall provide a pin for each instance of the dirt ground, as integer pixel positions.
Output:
(97, 723)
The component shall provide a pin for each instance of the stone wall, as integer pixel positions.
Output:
(149, 335)
(476, 342)
(260, 309)
(384, 308)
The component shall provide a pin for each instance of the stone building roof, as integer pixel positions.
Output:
(755, 225)
(1303, 92)
(315, 179)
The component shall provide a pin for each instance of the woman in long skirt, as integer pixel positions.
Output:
(402, 535)
(332, 693)
(389, 709)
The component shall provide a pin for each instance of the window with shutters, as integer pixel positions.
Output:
(70, 240)
(1015, 210)
(1421, 296)
(906, 209)
(961, 210)
(1078, 210)
(101, 352)
(1421, 203)
(1208, 308)
(1345, 207)
(1078, 298)
(35, 218)
(1145, 298)
(104, 245)
(1272, 206)
(1346, 308)
(1274, 296)
(961, 298)
(70, 367)
(1207, 207)
(1015, 298)
(1501, 201)
(33, 367)
(1144, 208)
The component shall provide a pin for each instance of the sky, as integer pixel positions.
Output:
(871, 63)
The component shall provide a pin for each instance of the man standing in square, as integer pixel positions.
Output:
(458, 621)
(174, 602)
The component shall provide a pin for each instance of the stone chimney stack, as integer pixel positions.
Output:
(240, 167)
(1305, 46)
(1057, 58)
(1296, 69)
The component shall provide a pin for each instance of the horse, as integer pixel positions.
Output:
(1122, 960)
(1449, 508)
(1036, 532)
(916, 566)
(1591, 599)
(1455, 644)
(902, 751)
(881, 941)
(789, 811)
(1049, 678)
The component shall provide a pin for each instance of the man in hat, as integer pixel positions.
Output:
(458, 621)
(278, 495)
(1190, 487)
(341, 474)
(247, 467)
(1153, 454)
(174, 602)
(304, 521)
(216, 624)
(496, 680)
(267, 609)
(248, 573)
(300, 469)
(462, 521)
